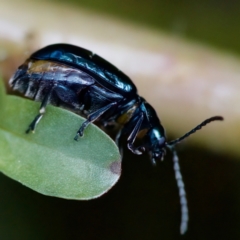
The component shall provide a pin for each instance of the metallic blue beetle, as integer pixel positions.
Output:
(79, 80)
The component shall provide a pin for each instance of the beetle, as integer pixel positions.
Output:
(81, 81)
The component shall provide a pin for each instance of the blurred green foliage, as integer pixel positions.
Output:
(215, 22)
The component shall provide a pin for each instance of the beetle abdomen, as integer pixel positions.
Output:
(35, 78)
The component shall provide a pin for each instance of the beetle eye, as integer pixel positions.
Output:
(162, 141)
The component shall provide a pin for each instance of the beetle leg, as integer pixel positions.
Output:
(42, 110)
(92, 117)
(67, 97)
(117, 141)
(133, 136)
(60, 95)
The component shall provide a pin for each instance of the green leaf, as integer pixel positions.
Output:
(50, 161)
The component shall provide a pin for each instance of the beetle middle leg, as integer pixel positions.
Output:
(92, 117)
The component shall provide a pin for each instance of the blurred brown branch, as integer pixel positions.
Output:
(185, 82)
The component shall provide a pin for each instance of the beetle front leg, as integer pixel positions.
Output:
(132, 137)
(93, 117)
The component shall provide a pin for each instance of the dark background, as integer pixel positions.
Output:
(144, 204)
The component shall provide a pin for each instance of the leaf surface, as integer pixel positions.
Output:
(49, 161)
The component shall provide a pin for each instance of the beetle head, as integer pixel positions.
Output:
(156, 144)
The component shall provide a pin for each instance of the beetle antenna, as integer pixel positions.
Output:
(176, 141)
(178, 175)
(182, 193)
